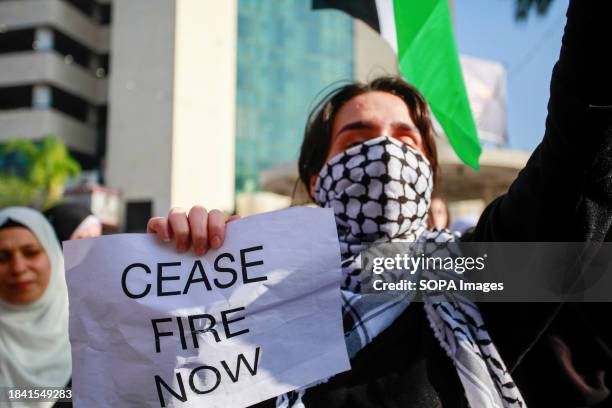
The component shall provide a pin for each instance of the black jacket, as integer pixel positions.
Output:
(563, 194)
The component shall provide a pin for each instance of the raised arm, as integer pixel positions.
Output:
(542, 203)
(565, 191)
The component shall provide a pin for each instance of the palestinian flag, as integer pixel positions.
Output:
(421, 33)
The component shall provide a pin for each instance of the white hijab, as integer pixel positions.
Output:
(34, 346)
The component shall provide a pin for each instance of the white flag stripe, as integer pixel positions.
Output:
(386, 21)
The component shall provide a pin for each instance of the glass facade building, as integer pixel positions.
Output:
(287, 54)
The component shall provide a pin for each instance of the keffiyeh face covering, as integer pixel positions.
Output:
(380, 191)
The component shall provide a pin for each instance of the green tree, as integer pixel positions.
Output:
(33, 173)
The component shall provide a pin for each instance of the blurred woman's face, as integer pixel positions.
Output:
(25, 269)
(439, 213)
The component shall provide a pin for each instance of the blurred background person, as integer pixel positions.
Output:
(439, 216)
(34, 345)
(73, 221)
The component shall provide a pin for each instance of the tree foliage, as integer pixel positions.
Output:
(523, 8)
(33, 173)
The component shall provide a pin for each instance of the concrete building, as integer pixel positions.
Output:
(172, 105)
(158, 125)
(53, 72)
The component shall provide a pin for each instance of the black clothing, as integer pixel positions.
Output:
(65, 219)
(563, 194)
(403, 367)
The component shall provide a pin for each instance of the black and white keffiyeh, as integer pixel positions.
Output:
(380, 191)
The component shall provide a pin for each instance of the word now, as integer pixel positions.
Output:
(198, 274)
(204, 372)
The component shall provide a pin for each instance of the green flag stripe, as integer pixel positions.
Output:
(428, 58)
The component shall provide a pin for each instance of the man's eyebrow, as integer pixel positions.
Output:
(358, 125)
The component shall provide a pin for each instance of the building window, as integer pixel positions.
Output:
(15, 97)
(47, 39)
(16, 40)
(283, 63)
(100, 13)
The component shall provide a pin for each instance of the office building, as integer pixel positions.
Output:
(141, 91)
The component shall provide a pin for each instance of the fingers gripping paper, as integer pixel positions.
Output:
(254, 319)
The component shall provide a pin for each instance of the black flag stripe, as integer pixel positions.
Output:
(364, 10)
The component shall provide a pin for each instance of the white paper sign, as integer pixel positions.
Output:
(252, 320)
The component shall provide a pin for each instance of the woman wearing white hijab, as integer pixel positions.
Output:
(34, 345)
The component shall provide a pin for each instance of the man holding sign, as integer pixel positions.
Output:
(254, 319)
